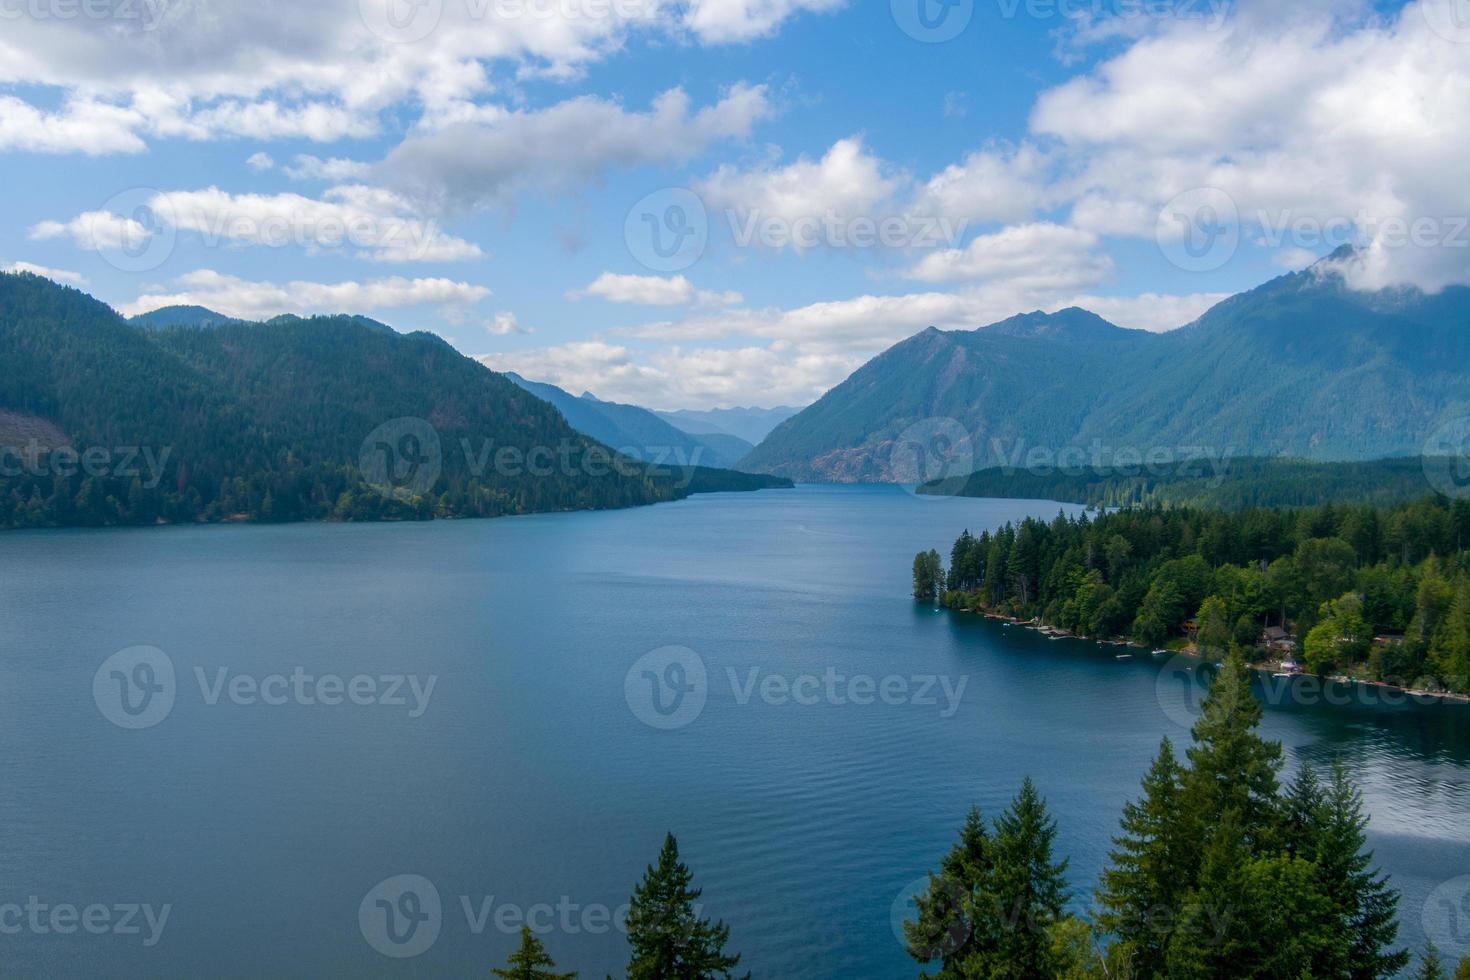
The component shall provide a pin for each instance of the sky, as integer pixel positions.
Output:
(713, 203)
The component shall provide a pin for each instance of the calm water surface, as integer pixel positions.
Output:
(529, 781)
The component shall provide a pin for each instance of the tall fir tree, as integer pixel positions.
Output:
(1231, 766)
(531, 962)
(1367, 906)
(945, 928)
(1151, 868)
(1027, 895)
(668, 938)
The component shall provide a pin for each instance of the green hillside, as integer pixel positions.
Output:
(295, 419)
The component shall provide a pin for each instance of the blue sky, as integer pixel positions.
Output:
(492, 166)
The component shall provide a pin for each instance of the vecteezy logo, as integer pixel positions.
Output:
(133, 230)
(1450, 19)
(934, 451)
(135, 688)
(1199, 231)
(401, 916)
(1446, 917)
(667, 688)
(401, 457)
(933, 21)
(1181, 689)
(668, 230)
(401, 21)
(1446, 459)
(905, 908)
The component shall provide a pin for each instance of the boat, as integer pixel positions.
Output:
(1161, 653)
(1124, 656)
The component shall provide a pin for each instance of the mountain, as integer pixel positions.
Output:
(294, 419)
(1302, 366)
(180, 316)
(748, 424)
(635, 431)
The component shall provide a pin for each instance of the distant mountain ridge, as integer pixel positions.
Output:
(748, 424)
(637, 432)
(1301, 366)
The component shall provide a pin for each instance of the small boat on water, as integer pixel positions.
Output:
(1161, 653)
(1124, 656)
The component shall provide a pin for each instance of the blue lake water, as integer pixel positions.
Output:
(821, 777)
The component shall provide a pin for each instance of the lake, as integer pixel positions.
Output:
(514, 712)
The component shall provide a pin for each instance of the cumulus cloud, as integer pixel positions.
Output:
(847, 182)
(1027, 256)
(82, 125)
(96, 231)
(1311, 119)
(378, 224)
(673, 378)
(250, 300)
(831, 200)
(504, 323)
(724, 21)
(322, 70)
(988, 185)
(470, 165)
(308, 167)
(652, 291)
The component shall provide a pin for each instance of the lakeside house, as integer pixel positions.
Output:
(1277, 640)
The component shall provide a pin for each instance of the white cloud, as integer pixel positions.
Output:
(504, 323)
(96, 231)
(249, 300)
(81, 126)
(1027, 256)
(1306, 117)
(1150, 311)
(847, 182)
(653, 291)
(674, 377)
(380, 225)
(260, 162)
(477, 164)
(320, 70)
(723, 21)
(56, 275)
(308, 167)
(990, 185)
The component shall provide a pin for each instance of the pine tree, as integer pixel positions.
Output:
(668, 938)
(531, 962)
(1366, 905)
(928, 576)
(1462, 972)
(1027, 895)
(1150, 867)
(945, 928)
(1231, 766)
(1430, 966)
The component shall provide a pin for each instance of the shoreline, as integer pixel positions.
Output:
(1269, 668)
